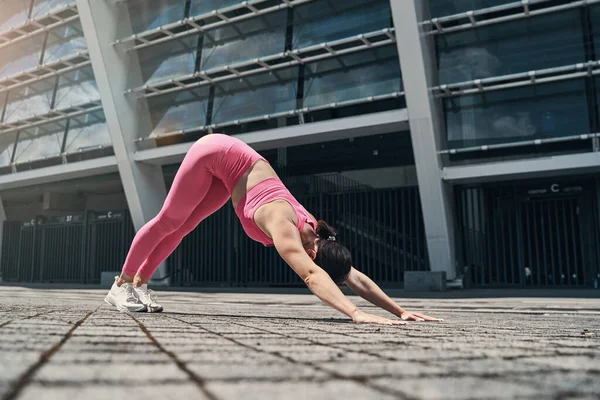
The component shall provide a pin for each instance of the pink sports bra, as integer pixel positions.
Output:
(269, 190)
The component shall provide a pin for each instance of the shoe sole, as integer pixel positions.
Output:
(108, 300)
(155, 309)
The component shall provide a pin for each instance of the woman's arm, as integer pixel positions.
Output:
(363, 286)
(289, 245)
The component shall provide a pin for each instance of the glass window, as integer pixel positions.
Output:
(76, 87)
(7, 146)
(595, 14)
(41, 7)
(526, 113)
(146, 15)
(255, 96)
(40, 142)
(87, 132)
(64, 41)
(21, 56)
(27, 101)
(178, 111)
(14, 13)
(325, 21)
(524, 45)
(168, 60)
(257, 37)
(442, 8)
(353, 76)
(200, 7)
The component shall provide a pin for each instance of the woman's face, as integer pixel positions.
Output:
(311, 246)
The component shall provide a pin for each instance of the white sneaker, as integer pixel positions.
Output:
(148, 297)
(124, 298)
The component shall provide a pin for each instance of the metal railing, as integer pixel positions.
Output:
(41, 72)
(382, 228)
(543, 234)
(201, 23)
(51, 116)
(488, 16)
(270, 63)
(475, 86)
(38, 25)
(522, 143)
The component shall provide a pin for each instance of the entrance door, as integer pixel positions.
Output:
(554, 242)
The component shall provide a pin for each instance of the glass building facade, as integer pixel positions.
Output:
(100, 100)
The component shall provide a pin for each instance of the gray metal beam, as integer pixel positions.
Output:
(2, 219)
(571, 164)
(364, 125)
(417, 61)
(57, 173)
(104, 22)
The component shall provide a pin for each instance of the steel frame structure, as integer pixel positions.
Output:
(201, 23)
(40, 24)
(270, 63)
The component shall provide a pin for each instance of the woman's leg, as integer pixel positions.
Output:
(192, 183)
(216, 198)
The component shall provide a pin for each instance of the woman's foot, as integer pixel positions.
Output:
(148, 297)
(123, 296)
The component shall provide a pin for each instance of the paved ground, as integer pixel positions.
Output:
(59, 344)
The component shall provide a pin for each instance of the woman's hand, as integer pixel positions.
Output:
(408, 316)
(363, 318)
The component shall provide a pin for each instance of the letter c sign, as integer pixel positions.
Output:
(555, 188)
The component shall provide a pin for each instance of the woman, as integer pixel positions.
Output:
(220, 167)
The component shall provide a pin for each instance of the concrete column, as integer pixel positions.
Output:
(115, 69)
(425, 115)
(2, 219)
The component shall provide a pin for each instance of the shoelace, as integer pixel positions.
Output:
(131, 296)
(149, 293)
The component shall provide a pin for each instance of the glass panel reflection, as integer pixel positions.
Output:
(64, 41)
(595, 15)
(21, 56)
(168, 60)
(532, 112)
(7, 146)
(519, 46)
(87, 132)
(41, 7)
(178, 111)
(27, 101)
(13, 13)
(255, 96)
(441, 8)
(325, 21)
(257, 37)
(353, 76)
(40, 142)
(76, 87)
(146, 15)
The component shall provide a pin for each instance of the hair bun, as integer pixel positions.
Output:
(325, 232)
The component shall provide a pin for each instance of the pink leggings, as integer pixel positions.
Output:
(195, 194)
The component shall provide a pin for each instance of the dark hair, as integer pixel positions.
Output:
(334, 258)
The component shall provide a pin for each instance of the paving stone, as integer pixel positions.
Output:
(14, 363)
(591, 364)
(563, 382)
(459, 388)
(300, 390)
(114, 373)
(146, 391)
(380, 368)
(270, 371)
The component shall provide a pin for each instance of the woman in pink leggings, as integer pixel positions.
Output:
(218, 168)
